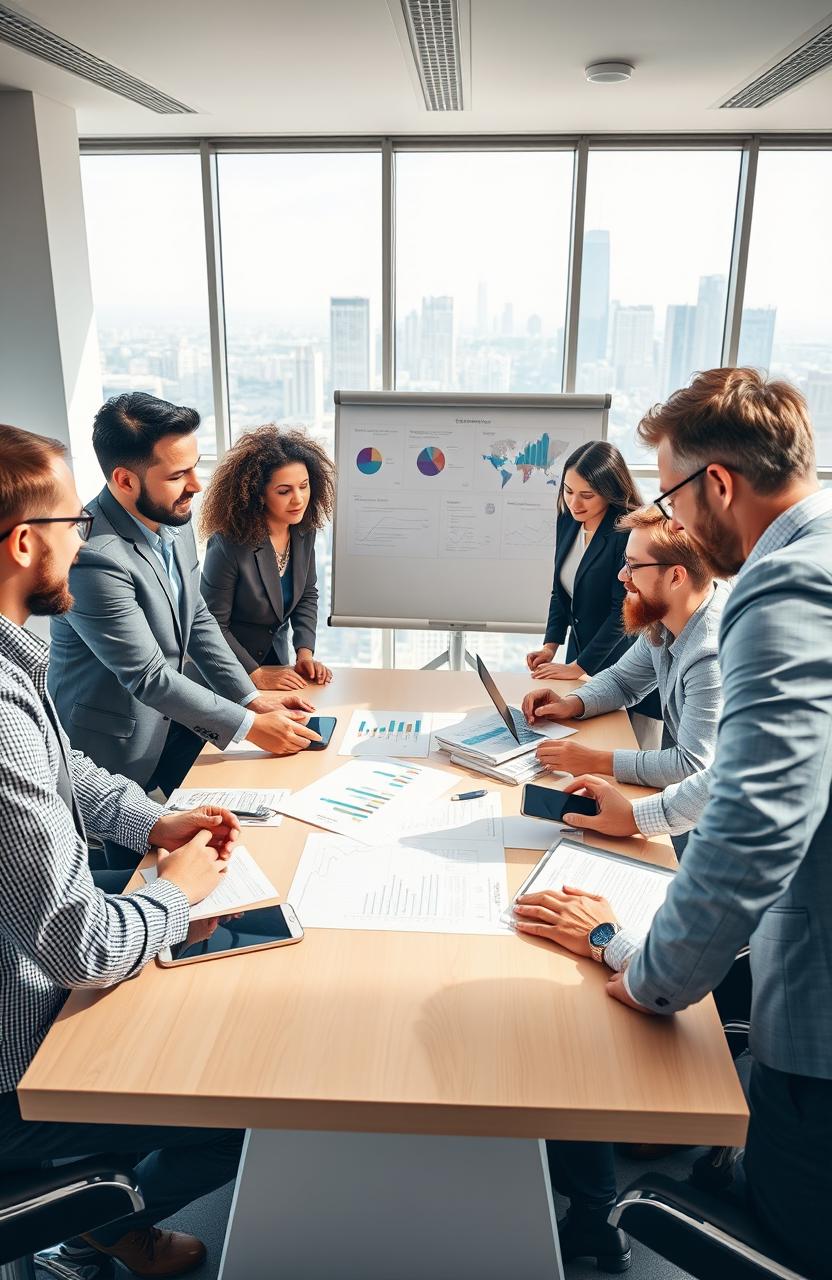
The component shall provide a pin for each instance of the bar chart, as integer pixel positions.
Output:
(377, 734)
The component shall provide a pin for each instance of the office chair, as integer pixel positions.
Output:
(709, 1237)
(39, 1207)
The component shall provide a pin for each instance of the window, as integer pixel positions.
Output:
(786, 321)
(482, 259)
(146, 242)
(301, 255)
(657, 252)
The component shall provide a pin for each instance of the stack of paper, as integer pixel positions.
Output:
(482, 742)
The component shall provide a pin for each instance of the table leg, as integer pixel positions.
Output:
(315, 1206)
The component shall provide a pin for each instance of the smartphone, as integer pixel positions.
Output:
(251, 930)
(546, 802)
(325, 726)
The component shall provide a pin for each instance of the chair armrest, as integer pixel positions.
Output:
(711, 1237)
(40, 1207)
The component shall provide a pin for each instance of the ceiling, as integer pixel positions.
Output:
(306, 67)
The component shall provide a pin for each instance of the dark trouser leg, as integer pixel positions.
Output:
(584, 1172)
(787, 1164)
(180, 751)
(111, 881)
(182, 1164)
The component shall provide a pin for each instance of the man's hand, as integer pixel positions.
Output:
(567, 916)
(278, 701)
(283, 733)
(558, 671)
(277, 678)
(307, 667)
(544, 704)
(195, 867)
(618, 991)
(538, 656)
(615, 812)
(567, 756)
(175, 829)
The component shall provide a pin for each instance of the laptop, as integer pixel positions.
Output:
(514, 719)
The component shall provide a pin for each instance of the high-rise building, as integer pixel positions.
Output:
(757, 337)
(349, 343)
(679, 339)
(710, 322)
(304, 386)
(507, 321)
(437, 342)
(534, 325)
(818, 390)
(482, 309)
(632, 346)
(408, 348)
(595, 298)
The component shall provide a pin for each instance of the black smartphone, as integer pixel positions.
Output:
(325, 726)
(546, 802)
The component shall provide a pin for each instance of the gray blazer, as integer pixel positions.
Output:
(241, 587)
(118, 657)
(758, 866)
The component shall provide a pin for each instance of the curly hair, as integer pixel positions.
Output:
(234, 504)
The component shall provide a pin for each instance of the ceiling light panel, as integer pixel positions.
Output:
(22, 33)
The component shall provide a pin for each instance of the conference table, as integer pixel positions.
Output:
(395, 1086)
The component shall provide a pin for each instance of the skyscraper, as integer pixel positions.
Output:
(632, 346)
(437, 342)
(757, 336)
(349, 337)
(710, 322)
(679, 338)
(482, 309)
(507, 321)
(304, 386)
(595, 298)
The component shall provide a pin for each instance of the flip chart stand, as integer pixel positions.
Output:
(456, 655)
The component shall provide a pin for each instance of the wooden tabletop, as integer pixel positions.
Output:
(390, 1032)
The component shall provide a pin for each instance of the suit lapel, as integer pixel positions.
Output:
(184, 553)
(266, 561)
(125, 528)
(596, 544)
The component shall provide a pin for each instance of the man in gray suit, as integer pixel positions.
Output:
(117, 673)
(737, 466)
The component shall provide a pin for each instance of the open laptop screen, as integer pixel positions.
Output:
(496, 697)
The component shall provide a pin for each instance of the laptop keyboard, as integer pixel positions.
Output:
(524, 733)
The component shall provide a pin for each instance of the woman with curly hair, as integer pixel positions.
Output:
(268, 496)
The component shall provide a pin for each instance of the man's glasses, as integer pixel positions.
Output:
(662, 503)
(83, 524)
(630, 566)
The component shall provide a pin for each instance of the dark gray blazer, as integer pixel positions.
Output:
(241, 586)
(117, 662)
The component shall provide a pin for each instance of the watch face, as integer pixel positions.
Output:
(602, 934)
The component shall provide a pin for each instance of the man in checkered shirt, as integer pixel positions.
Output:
(57, 930)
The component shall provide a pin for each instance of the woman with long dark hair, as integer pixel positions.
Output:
(595, 489)
(267, 498)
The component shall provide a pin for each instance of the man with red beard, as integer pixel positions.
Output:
(675, 606)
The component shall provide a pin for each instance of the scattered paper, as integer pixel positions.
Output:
(368, 800)
(455, 820)
(249, 798)
(533, 833)
(244, 748)
(377, 735)
(447, 888)
(242, 885)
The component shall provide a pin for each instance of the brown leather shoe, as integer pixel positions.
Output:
(152, 1252)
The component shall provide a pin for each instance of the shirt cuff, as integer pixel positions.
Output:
(175, 902)
(245, 726)
(626, 981)
(249, 698)
(649, 815)
(619, 952)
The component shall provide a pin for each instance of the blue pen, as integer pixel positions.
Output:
(469, 795)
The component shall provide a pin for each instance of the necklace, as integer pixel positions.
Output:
(283, 557)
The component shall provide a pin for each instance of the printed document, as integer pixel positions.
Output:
(634, 889)
(242, 885)
(376, 735)
(239, 798)
(446, 888)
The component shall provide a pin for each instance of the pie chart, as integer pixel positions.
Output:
(368, 461)
(431, 461)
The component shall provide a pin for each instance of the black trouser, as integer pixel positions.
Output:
(180, 750)
(181, 1164)
(787, 1169)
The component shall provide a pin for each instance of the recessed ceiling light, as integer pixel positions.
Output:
(608, 72)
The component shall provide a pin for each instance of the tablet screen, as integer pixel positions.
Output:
(223, 934)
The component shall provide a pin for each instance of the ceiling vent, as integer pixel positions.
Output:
(31, 37)
(433, 31)
(810, 57)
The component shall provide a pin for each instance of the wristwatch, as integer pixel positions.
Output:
(599, 939)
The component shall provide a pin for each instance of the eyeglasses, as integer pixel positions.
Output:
(83, 524)
(630, 566)
(662, 503)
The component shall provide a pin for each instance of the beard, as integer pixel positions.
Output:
(50, 596)
(719, 546)
(160, 514)
(640, 612)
